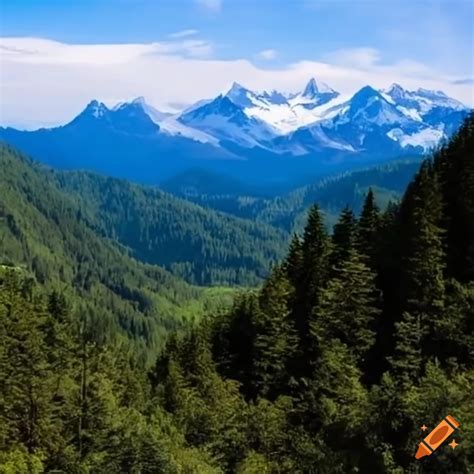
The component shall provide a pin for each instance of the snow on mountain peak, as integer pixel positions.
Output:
(431, 94)
(139, 101)
(396, 91)
(314, 88)
(252, 118)
(364, 95)
(240, 96)
(236, 88)
(369, 106)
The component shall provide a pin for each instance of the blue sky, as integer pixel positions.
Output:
(265, 43)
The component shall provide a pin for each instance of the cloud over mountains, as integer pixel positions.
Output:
(46, 81)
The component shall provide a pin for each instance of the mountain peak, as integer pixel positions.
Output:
(96, 109)
(365, 93)
(275, 97)
(139, 101)
(314, 88)
(395, 89)
(311, 88)
(236, 88)
(239, 95)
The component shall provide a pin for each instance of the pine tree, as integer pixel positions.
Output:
(455, 169)
(234, 342)
(347, 308)
(367, 230)
(315, 248)
(343, 238)
(293, 264)
(28, 382)
(423, 263)
(276, 339)
(407, 359)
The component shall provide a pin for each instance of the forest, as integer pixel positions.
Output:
(355, 339)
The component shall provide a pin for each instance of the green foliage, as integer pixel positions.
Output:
(276, 340)
(288, 211)
(51, 235)
(69, 404)
(347, 307)
(331, 366)
(200, 245)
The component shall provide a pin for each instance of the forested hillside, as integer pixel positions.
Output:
(44, 232)
(288, 210)
(355, 341)
(333, 193)
(200, 245)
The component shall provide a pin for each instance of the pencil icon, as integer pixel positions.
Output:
(437, 437)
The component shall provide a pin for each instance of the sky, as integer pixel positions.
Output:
(57, 55)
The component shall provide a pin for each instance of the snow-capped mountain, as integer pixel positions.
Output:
(319, 118)
(420, 102)
(316, 119)
(313, 95)
(246, 126)
(284, 113)
(226, 119)
(129, 118)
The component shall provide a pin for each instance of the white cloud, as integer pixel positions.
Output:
(212, 5)
(45, 82)
(267, 54)
(43, 51)
(183, 34)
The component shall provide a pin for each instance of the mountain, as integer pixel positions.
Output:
(314, 94)
(376, 318)
(123, 142)
(254, 136)
(225, 119)
(130, 118)
(281, 113)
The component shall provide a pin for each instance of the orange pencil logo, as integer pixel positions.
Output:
(437, 437)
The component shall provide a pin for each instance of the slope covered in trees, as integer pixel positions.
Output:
(333, 193)
(354, 341)
(200, 245)
(45, 233)
(288, 210)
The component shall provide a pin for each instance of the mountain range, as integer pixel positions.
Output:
(264, 135)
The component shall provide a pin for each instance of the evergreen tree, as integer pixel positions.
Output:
(423, 263)
(368, 230)
(276, 339)
(293, 264)
(315, 248)
(343, 238)
(455, 169)
(347, 308)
